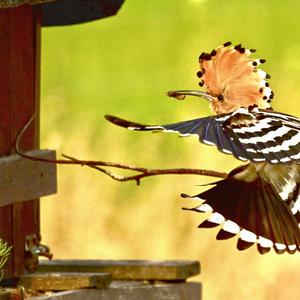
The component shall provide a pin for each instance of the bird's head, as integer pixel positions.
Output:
(231, 80)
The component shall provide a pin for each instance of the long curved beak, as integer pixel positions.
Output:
(180, 95)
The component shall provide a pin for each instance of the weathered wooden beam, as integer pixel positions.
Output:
(14, 3)
(22, 179)
(127, 269)
(5, 295)
(20, 30)
(64, 281)
(131, 290)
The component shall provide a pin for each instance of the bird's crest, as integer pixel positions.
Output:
(233, 77)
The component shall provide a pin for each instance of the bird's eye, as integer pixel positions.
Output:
(220, 98)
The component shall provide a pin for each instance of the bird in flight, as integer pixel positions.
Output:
(259, 201)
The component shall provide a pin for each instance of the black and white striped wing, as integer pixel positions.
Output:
(248, 134)
(264, 135)
(209, 130)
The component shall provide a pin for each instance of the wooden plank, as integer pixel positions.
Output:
(133, 291)
(5, 212)
(14, 3)
(19, 86)
(64, 281)
(5, 295)
(22, 179)
(24, 74)
(25, 25)
(127, 269)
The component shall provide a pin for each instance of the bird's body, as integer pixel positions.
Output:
(259, 201)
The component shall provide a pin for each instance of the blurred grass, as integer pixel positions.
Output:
(124, 65)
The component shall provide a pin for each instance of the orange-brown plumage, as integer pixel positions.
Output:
(232, 76)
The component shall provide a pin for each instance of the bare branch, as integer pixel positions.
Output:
(144, 172)
(95, 164)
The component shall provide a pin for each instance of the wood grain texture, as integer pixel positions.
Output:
(5, 295)
(22, 179)
(14, 3)
(127, 269)
(132, 290)
(64, 281)
(19, 99)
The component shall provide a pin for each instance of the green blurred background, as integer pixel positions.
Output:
(124, 65)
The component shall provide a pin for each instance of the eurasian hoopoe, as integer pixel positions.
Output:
(259, 201)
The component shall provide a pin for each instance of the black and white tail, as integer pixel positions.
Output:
(246, 205)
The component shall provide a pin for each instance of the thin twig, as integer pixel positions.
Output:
(142, 172)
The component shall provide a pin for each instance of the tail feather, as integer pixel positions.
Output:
(265, 244)
(286, 222)
(243, 245)
(276, 234)
(254, 211)
(271, 215)
(224, 235)
(263, 250)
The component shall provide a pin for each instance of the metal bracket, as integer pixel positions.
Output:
(34, 249)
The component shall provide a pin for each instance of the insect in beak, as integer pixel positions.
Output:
(180, 95)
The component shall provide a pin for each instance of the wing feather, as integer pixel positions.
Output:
(250, 134)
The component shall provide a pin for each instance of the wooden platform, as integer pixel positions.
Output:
(131, 280)
(173, 270)
(132, 290)
(24, 179)
(64, 281)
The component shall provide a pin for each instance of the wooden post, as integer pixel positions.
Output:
(19, 99)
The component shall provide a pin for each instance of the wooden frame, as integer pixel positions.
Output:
(20, 30)
(22, 181)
